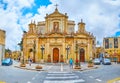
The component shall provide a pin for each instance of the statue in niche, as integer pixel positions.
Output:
(56, 26)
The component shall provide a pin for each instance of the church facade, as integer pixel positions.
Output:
(55, 40)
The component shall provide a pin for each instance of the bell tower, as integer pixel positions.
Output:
(81, 26)
(32, 27)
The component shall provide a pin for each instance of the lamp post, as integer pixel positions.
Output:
(76, 49)
(21, 45)
(42, 49)
(34, 47)
(77, 66)
(21, 48)
(38, 66)
(67, 48)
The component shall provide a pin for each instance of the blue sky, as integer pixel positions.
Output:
(34, 8)
(102, 17)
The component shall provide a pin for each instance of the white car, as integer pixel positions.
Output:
(96, 61)
(106, 61)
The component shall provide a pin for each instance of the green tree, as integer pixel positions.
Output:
(21, 45)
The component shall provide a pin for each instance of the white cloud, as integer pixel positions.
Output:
(9, 20)
(112, 2)
(101, 17)
(9, 24)
(26, 3)
(19, 3)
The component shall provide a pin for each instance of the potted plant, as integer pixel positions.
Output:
(90, 63)
(77, 65)
(38, 67)
(22, 63)
(61, 59)
(49, 58)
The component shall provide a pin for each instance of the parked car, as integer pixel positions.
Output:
(7, 62)
(106, 61)
(96, 61)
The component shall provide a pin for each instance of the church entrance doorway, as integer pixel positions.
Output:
(55, 55)
(82, 55)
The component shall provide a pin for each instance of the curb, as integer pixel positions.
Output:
(86, 68)
(82, 69)
(29, 68)
(116, 80)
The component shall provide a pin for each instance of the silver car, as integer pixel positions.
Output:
(96, 61)
(106, 61)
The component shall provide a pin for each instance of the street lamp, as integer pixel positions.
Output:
(77, 64)
(38, 66)
(67, 48)
(21, 48)
(34, 47)
(76, 49)
(42, 49)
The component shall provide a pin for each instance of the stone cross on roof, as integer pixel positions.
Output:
(56, 5)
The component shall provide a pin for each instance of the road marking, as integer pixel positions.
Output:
(90, 76)
(2, 82)
(68, 77)
(58, 72)
(33, 78)
(61, 67)
(64, 74)
(116, 80)
(62, 77)
(28, 82)
(49, 67)
(65, 81)
(99, 80)
(36, 75)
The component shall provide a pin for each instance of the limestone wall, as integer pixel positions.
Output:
(2, 44)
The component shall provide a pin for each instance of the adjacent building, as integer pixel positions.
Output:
(16, 55)
(112, 48)
(2, 44)
(55, 40)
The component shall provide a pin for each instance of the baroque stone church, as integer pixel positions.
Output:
(55, 40)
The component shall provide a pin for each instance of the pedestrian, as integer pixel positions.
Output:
(18, 58)
(71, 63)
(29, 61)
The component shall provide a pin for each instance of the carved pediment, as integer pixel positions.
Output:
(84, 34)
(56, 34)
(31, 36)
(82, 44)
(56, 13)
(55, 44)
